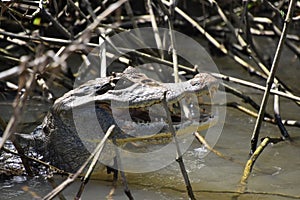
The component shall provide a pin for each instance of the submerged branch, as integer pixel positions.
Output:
(250, 163)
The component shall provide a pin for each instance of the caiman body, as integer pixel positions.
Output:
(58, 138)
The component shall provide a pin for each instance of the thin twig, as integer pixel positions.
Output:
(60, 28)
(19, 102)
(277, 31)
(158, 60)
(120, 168)
(221, 47)
(115, 178)
(155, 30)
(173, 42)
(89, 8)
(229, 24)
(278, 120)
(46, 92)
(170, 17)
(146, 57)
(254, 85)
(202, 140)
(271, 77)
(287, 122)
(33, 194)
(86, 32)
(250, 163)
(91, 168)
(266, 69)
(179, 154)
(73, 5)
(288, 43)
(130, 14)
(54, 185)
(59, 171)
(9, 73)
(72, 178)
(246, 98)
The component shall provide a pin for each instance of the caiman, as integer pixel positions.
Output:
(57, 138)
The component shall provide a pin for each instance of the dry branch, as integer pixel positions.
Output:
(178, 151)
(278, 119)
(73, 177)
(271, 77)
(90, 20)
(250, 163)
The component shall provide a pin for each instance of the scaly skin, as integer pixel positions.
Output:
(57, 138)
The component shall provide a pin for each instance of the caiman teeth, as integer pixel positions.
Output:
(176, 104)
(213, 90)
(171, 107)
(156, 119)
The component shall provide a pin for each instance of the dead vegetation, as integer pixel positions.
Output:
(40, 38)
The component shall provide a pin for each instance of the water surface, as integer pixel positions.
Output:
(276, 174)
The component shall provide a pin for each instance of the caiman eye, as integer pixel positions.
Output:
(193, 83)
(104, 88)
(147, 81)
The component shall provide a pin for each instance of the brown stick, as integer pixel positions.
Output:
(278, 120)
(120, 168)
(26, 80)
(256, 86)
(179, 154)
(271, 77)
(250, 163)
(72, 178)
(203, 141)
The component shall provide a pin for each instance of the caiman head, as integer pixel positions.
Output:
(131, 99)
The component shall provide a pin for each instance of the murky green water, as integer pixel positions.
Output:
(276, 174)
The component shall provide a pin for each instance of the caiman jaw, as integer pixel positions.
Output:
(132, 98)
(140, 120)
(143, 95)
